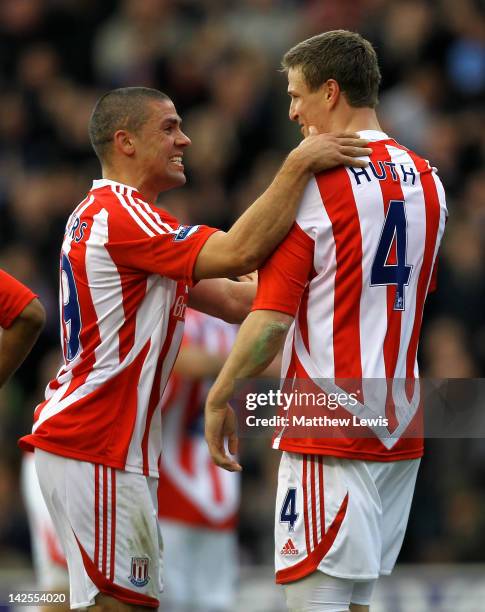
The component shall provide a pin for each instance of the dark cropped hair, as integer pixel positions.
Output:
(120, 109)
(344, 56)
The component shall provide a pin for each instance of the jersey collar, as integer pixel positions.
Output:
(99, 183)
(373, 135)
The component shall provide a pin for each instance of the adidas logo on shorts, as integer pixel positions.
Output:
(289, 548)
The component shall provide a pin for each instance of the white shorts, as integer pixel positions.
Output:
(107, 522)
(344, 517)
(48, 557)
(320, 592)
(201, 569)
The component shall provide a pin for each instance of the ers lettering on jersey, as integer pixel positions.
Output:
(124, 273)
(354, 271)
(192, 490)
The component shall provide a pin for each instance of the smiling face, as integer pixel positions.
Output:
(160, 145)
(307, 107)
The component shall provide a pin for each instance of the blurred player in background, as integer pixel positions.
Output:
(349, 284)
(48, 558)
(197, 501)
(22, 318)
(126, 270)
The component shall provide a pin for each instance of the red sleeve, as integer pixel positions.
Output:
(164, 247)
(14, 297)
(284, 276)
(433, 283)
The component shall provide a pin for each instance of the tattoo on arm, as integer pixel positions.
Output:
(267, 344)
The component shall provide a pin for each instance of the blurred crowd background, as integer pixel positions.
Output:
(219, 62)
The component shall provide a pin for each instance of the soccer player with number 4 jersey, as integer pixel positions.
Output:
(347, 289)
(127, 271)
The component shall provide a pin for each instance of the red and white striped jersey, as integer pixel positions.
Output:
(125, 267)
(355, 270)
(192, 489)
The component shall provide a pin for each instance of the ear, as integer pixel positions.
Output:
(124, 142)
(331, 93)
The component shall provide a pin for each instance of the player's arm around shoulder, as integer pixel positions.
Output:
(223, 298)
(265, 223)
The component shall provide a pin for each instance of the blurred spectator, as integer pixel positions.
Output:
(465, 57)
(445, 350)
(407, 108)
(128, 44)
(271, 26)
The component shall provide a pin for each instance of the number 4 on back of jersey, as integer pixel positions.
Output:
(383, 272)
(288, 512)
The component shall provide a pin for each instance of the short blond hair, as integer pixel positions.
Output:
(344, 56)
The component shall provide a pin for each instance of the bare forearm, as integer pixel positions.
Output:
(223, 298)
(241, 299)
(17, 341)
(15, 344)
(267, 221)
(258, 341)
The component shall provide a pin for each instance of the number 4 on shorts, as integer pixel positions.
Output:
(288, 512)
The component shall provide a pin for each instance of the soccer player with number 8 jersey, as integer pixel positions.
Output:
(347, 289)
